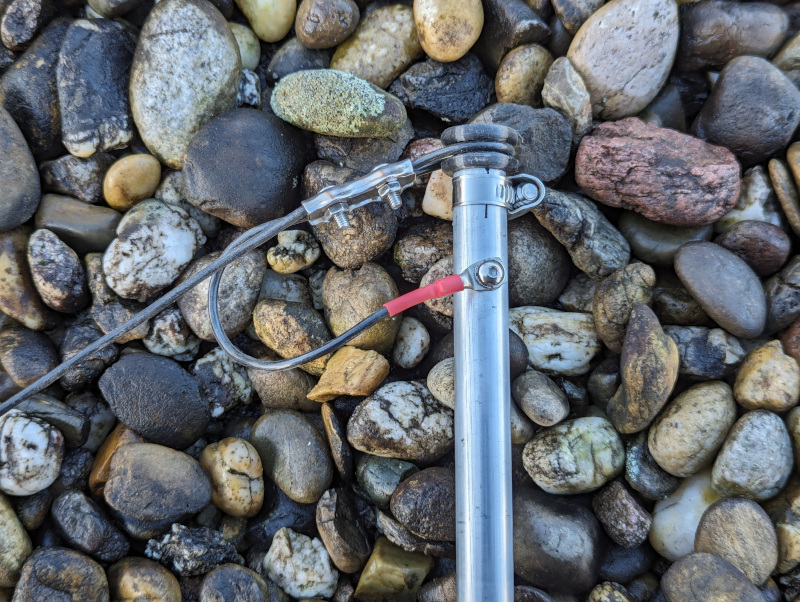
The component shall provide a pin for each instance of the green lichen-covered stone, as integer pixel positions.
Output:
(335, 103)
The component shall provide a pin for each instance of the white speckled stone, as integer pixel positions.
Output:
(558, 342)
(224, 382)
(295, 251)
(171, 336)
(411, 344)
(300, 565)
(31, 451)
(171, 191)
(438, 198)
(249, 46)
(155, 242)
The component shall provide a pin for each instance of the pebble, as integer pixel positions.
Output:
(541, 519)
(624, 52)
(22, 189)
(238, 293)
(384, 44)
(349, 296)
(283, 388)
(170, 335)
(766, 114)
(593, 244)
(508, 24)
(616, 296)
(768, 379)
(286, 287)
(441, 382)
(402, 420)
(420, 247)
(604, 381)
(291, 329)
(30, 458)
(625, 564)
(783, 297)
(171, 191)
(649, 370)
(236, 476)
(296, 250)
(709, 574)
(101, 467)
(223, 382)
(57, 273)
(55, 572)
(130, 180)
(574, 13)
(765, 247)
(87, 528)
(108, 310)
(171, 98)
(578, 295)
(657, 243)
(644, 474)
(294, 454)
(16, 544)
(340, 528)
(664, 175)
(575, 456)
(673, 305)
(379, 477)
(675, 518)
(278, 512)
(521, 75)
(100, 417)
(558, 342)
(739, 531)
(92, 79)
(756, 458)
(190, 551)
(148, 391)
(150, 487)
(538, 267)
(756, 202)
(271, 20)
(724, 286)
(134, 576)
(321, 24)
(228, 581)
(268, 156)
(350, 371)
(452, 91)
(563, 89)
(785, 189)
(539, 398)
(687, 435)
(425, 504)
(83, 227)
(249, 94)
(336, 434)
(26, 355)
(361, 154)
(300, 565)
(293, 56)
(392, 573)
(441, 269)
(77, 177)
(791, 340)
(155, 242)
(411, 343)
(18, 297)
(444, 589)
(545, 137)
(249, 46)
(447, 29)
(622, 516)
(22, 21)
(73, 426)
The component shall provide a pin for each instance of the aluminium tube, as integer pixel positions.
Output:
(484, 554)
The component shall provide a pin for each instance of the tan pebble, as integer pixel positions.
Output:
(438, 199)
(350, 371)
(768, 379)
(391, 573)
(271, 20)
(249, 46)
(785, 185)
(520, 76)
(137, 578)
(236, 476)
(448, 28)
(101, 469)
(130, 180)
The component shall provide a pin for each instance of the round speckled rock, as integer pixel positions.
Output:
(425, 503)
(325, 24)
(520, 77)
(233, 582)
(134, 576)
(756, 459)
(768, 379)
(411, 344)
(335, 103)
(621, 514)
(86, 527)
(236, 476)
(53, 573)
(18, 296)
(447, 29)
(57, 273)
(171, 336)
(539, 397)
(155, 242)
(171, 95)
(575, 456)
(538, 266)
(18, 173)
(371, 233)
(616, 296)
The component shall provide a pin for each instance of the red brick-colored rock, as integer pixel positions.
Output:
(667, 176)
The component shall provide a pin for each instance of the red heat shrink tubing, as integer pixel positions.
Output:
(439, 288)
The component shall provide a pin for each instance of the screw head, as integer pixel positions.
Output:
(528, 192)
(491, 273)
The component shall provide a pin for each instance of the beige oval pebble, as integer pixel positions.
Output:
(768, 379)
(130, 180)
(249, 46)
(447, 29)
(236, 476)
(520, 76)
(271, 20)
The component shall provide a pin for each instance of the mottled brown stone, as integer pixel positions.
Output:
(763, 246)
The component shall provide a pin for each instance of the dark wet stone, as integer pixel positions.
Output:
(425, 504)
(453, 92)
(151, 487)
(753, 109)
(336, 433)
(545, 137)
(293, 56)
(341, 531)
(657, 243)
(400, 536)
(32, 510)
(21, 189)
(624, 564)
(93, 72)
(764, 246)
(506, 25)
(362, 154)
(22, 20)
(705, 353)
(73, 425)
(75, 469)
(325, 24)
(26, 355)
(86, 527)
(57, 273)
(83, 227)
(147, 392)
(421, 246)
(783, 297)
(234, 582)
(29, 92)
(56, 573)
(279, 511)
(77, 336)
(643, 473)
(18, 297)
(244, 167)
(191, 551)
(538, 266)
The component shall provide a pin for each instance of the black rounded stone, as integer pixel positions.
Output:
(21, 189)
(86, 527)
(245, 167)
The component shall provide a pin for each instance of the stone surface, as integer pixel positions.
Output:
(55, 572)
(18, 296)
(73, 426)
(26, 355)
(335, 103)
(425, 504)
(130, 180)
(76, 177)
(223, 382)
(411, 343)
(714, 577)
(564, 90)
(705, 353)
(18, 172)
(82, 226)
(147, 392)
(191, 551)
(320, 24)
(622, 516)
(768, 379)
(87, 528)
(616, 296)
(786, 190)
(755, 125)
(420, 247)
(724, 286)
(576, 456)
(538, 267)
(16, 545)
(649, 370)
(283, 388)
(171, 336)
(294, 454)
(57, 273)
(756, 458)
(756, 202)
(22, 21)
(108, 310)
(624, 53)
(538, 397)
(31, 454)
(666, 176)
(101, 468)
(341, 530)
(350, 371)
(379, 477)
(392, 573)
(508, 24)
(441, 269)
(644, 474)
(402, 420)
(292, 56)
(230, 580)
(521, 75)
(236, 476)
(134, 576)
(686, 436)
(783, 297)
(295, 251)
(447, 29)
(171, 97)
(656, 243)
(300, 565)
(150, 487)
(244, 167)
(765, 247)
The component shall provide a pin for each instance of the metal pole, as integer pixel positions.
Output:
(484, 553)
